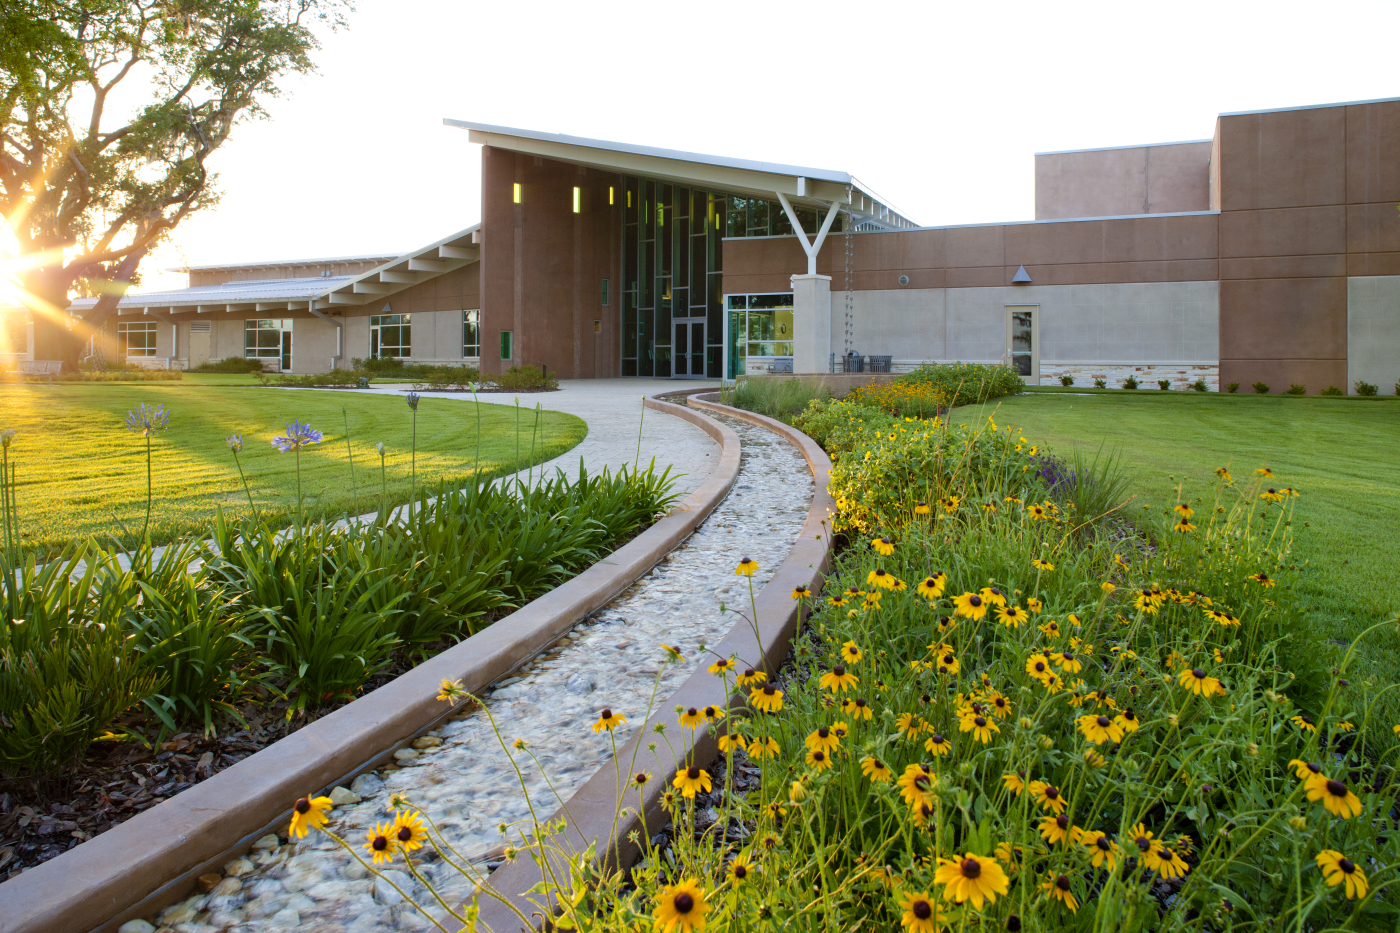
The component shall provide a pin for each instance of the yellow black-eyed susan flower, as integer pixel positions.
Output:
(950, 503)
(916, 783)
(980, 726)
(876, 770)
(1012, 616)
(1048, 796)
(938, 745)
(1059, 888)
(839, 680)
(1336, 797)
(909, 724)
(1014, 781)
(451, 691)
(1059, 829)
(733, 741)
(801, 592)
(992, 596)
(1068, 662)
(824, 739)
(838, 600)
(878, 577)
(990, 505)
(857, 708)
(766, 699)
(1100, 729)
(1128, 721)
(947, 663)
(381, 843)
(1271, 495)
(741, 868)
(764, 748)
(974, 878)
(1264, 472)
(1033, 604)
(722, 666)
(1338, 869)
(751, 677)
(668, 800)
(1042, 565)
(931, 586)
(1262, 579)
(408, 830)
(672, 652)
(640, 779)
(692, 780)
(921, 508)
(883, 546)
(692, 718)
(920, 914)
(1183, 526)
(1200, 683)
(309, 813)
(712, 713)
(1001, 706)
(850, 653)
(1303, 723)
(818, 759)
(746, 567)
(1038, 666)
(609, 720)
(1224, 474)
(970, 606)
(1104, 849)
(681, 908)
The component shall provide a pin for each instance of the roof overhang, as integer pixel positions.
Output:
(805, 187)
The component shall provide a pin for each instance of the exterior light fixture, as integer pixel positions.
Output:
(610, 195)
(515, 192)
(576, 199)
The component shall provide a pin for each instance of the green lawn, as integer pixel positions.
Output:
(1338, 453)
(80, 469)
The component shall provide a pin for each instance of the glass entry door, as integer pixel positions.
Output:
(688, 343)
(1023, 340)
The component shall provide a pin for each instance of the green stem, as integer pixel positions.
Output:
(354, 486)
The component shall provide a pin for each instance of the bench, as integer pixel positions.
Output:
(48, 368)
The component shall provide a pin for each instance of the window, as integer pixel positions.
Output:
(759, 326)
(507, 341)
(390, 336)
(471, 334)
(269, 339)
(136, 338)
(605, 293)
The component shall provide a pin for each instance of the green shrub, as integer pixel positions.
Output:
(526, 378)
(834, 423)
(1296, 389)
(1164, 384)
(336, 378)
(1365, 388)
(1261, 388)
(450, 379)
(966, 383)
(230, 364)
(1130, 383)
(1332, 390)
(1233, 387)
(774, 397)
(115, 375)
(1199, 385)
(914, 400)
(1101, 383)
(1066, 380)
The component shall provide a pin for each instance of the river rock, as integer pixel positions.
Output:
(206, 883)
(136, 926)
(405, 754)
(367, 785)
(344, 796)
(226, 887)
(238, 867)
(267, 842)
(427, 741)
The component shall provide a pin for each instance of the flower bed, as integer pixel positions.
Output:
(1010, 712)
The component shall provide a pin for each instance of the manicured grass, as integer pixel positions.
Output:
(1338, 453)
(80, 469)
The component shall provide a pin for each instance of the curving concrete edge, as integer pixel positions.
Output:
(591, 814)
(153, 859)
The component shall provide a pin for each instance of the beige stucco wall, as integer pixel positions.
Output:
(1162, 179)
(1373, 332)
(1139, 323)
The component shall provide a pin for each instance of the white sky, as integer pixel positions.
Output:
(937, 106)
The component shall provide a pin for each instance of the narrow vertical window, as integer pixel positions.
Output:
(576, 199)
(506, 344)
(515, 192)
(471, 334)
(605, 293)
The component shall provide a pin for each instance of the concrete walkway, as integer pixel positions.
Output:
(612, 409)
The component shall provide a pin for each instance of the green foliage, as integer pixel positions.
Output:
(1332, 390)
(966, 383)
(1164, 384)
(450, 379)
(1364, 388)
(527, 378)
(229, 364)
(336, 378)
(910, 399)
(1066, 380)
(1261, 388)
(834, 423)
(1296, 389)
(1199, 385)
(1232, 387)
(1130, 383)
(1101, 383)
(773, 397)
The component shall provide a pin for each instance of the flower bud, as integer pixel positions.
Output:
(1298, 822)
(1253, 749)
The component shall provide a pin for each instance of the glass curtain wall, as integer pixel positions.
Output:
(671, 278)
(760, 328)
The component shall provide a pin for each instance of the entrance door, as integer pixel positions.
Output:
(688, 346)
(287, 350)
(1023, 341)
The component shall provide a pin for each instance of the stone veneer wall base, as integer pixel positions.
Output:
(592, 811)
(153, 859)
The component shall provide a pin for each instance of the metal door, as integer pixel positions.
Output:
(1023, 341)
(688, 349)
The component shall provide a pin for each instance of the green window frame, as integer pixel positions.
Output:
(507, 345)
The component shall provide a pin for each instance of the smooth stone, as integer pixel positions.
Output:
(136, 926)
(405, 754)
(206, 883)
(267, 842)
(344, 796)
(300, 903)
(286, 919)
(367, 785)
(355, 871)
(427, 741)
(223, 919)
(226, 887)
(179, 913)
(384, 892)
(238, 867)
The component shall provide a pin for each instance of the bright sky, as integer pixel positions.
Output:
(937, 106)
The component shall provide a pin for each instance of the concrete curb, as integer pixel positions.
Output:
(153, 859)
(591, 814)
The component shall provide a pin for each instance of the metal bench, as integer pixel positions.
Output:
(48, 368)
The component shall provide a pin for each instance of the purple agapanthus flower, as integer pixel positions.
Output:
(7, 437)
(298, 435)
(235, 442)
(145, 420)
(412, 400)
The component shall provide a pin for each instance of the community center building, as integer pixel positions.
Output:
(1269, 252)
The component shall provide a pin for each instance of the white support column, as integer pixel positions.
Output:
(339, 331)
(812, 248)
(811, 323)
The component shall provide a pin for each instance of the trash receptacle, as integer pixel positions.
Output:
(880, 364)
(855, 363)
